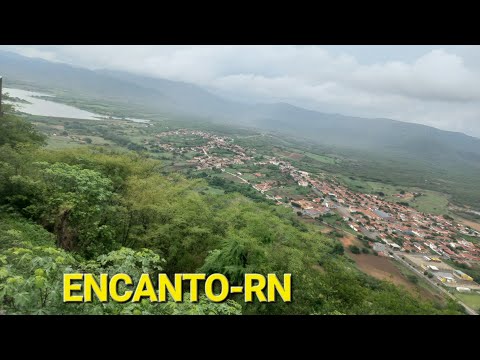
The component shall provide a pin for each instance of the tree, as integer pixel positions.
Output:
(32, 283)
(15, 131)
(412, 278)
(354, 249)
(75, 204)
(338, 248)
(237, 257)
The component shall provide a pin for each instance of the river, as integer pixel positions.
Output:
(44, 107)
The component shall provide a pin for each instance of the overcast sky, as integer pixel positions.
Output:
(433, 85)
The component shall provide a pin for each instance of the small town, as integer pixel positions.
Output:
(206, 161)
(391, 227)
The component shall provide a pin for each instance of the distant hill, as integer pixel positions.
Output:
(446, 154)
(367, 134)
(188, 98)
(77, 80)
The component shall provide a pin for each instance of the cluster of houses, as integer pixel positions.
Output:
(215, 162)
(265, 186)
(394, 223)
(206, 161)
(402, 226)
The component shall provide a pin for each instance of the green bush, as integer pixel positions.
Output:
(338, 248)
(354, 249)
(412, 278)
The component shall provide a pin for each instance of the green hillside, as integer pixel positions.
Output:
(99, 210)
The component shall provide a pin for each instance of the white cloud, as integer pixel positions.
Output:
(437, 75)
(441, 87)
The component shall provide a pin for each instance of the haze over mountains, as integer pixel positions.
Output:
(381, 136)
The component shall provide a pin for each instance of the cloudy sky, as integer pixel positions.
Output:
(433, 85)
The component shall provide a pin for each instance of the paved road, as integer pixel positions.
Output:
(469, 310)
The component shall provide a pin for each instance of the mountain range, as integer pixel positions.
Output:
(445, 150)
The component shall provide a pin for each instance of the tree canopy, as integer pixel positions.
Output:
(97, 210)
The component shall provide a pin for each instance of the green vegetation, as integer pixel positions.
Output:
(293, 154)
(413, 278)
(229, 186)
(430, 202)
(354, 249)
(338, 249)
(98, 209)
(472, 300)
(16, 132)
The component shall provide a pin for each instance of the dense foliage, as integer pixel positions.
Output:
(93, 210)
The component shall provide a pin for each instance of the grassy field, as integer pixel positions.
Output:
(213, 191)
(60, 142)
(290, 191)
(251, 177)
(431, 202)
(385, 269)
(360, 185)
(299, 155)
(191, 154)
(321, 158)
(472, 300)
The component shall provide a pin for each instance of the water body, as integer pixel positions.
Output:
(44, 107)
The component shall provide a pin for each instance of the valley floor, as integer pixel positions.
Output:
(395, 216)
